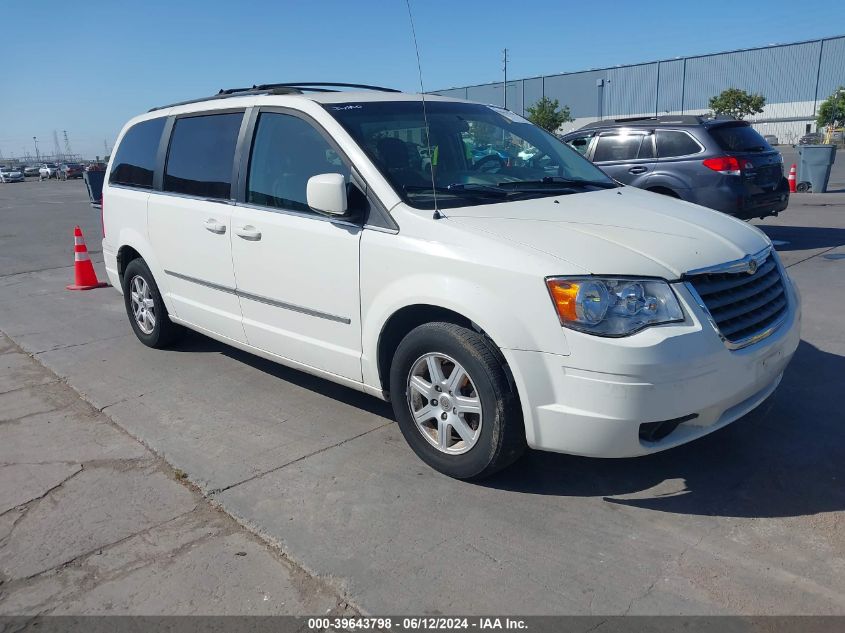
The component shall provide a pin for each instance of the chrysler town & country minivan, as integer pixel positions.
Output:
(497, 303)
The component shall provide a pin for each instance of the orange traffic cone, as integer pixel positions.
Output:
(83, 269)
(792, 178)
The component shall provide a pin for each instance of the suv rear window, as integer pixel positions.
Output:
(739, 138)
(134, 162)
(202, 154)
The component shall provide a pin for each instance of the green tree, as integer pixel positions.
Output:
(832, 109)
(737, 103)
(548, 114)
(483, 133)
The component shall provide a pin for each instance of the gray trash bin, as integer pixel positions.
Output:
(814, 163)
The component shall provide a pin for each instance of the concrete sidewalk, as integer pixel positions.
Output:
(92, 522)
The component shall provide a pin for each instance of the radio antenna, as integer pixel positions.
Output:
(437, 214)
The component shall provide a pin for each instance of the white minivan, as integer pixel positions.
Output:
(451, 257)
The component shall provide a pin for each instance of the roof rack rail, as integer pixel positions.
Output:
(663, 119)
(278, 89)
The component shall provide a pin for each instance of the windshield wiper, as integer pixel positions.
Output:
(462, 189)
(559, 180)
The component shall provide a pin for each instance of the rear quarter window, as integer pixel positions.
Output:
(134, 162)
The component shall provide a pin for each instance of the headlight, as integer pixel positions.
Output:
(613, 307)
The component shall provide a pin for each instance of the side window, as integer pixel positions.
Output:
(616, 147)
(201, 155)
(674, 143)
(580, 143)
(134, 162)
(286, 152)
(647, 147)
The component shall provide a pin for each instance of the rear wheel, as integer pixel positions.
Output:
(145, 307)
(454, 403)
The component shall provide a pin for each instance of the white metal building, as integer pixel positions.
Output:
(794, 78)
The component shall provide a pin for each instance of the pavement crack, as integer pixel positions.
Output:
(801, 261)
(24, 387)
(57, 348)
(43, 495)
(217, 491)
(100, 548)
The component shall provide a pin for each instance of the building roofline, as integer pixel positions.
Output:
(656, 61)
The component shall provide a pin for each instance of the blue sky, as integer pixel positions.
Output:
(87, 66)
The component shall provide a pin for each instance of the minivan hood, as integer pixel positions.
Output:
(624, 231)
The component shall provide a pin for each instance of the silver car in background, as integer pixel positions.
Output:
(11, 174)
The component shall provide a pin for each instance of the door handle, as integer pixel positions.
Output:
(248, 232)
(214, 226)
(638, 170)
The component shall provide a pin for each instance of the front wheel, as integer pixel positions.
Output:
(454, 403)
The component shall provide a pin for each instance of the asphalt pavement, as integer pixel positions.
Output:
(749, 520)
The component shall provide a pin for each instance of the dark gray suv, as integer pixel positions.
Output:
(723, 164)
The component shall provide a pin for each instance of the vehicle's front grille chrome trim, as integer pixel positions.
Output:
(745, 293)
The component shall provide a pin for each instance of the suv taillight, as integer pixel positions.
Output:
(728, 165)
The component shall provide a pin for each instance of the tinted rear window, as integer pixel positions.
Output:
(739, 138)
(201, 155)
(135, 160)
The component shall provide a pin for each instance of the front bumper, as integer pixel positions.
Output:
(594, 401)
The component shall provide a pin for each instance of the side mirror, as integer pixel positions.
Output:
(326, 193)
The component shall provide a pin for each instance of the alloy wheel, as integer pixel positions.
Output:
(143, 306)
(444, 403)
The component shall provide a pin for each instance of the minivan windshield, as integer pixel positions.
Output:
(479, 154)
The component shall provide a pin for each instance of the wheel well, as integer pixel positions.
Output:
(125, 255)
(664, 191)
(401, 323)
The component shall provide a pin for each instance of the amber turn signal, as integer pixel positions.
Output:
(563, 295)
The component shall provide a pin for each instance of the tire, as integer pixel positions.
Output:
(497, 434)
(160, 332)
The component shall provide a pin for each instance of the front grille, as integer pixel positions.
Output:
(743, 305)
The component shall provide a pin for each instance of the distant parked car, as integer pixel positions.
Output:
(723, 164)
(95, 167)
(31, 170)
(11, 174)
(68, 171)
(771, 139)
(47, 171)
(810, 139)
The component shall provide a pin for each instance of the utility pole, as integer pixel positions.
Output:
(57, 150)
(37, 157)
(106, 145)
(505, 86)
(67, 144)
